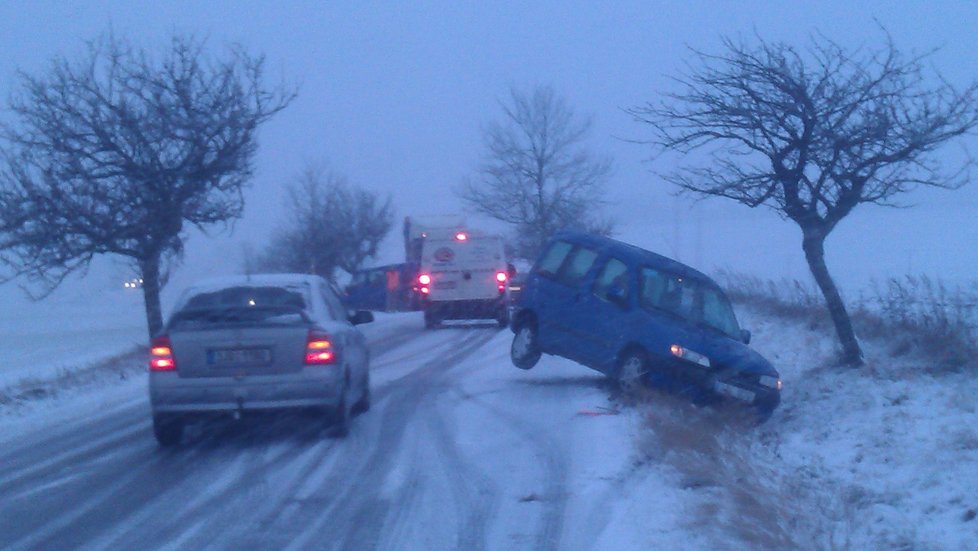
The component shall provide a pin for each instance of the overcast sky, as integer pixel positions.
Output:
(394, 97)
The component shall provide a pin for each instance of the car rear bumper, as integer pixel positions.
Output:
(466, 309)
(169, 393)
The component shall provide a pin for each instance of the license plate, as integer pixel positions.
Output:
(735, 392)
(239, 356)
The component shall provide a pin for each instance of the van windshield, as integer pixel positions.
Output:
(690, 299)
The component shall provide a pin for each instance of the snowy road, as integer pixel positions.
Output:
(460, 451)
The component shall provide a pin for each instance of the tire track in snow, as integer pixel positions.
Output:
(362, 517)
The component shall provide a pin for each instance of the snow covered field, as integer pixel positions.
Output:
(461, 450)
(66, 332)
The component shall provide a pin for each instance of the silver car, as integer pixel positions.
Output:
(256, 343)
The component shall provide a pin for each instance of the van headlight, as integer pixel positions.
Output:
(771, 381)
(689, 355)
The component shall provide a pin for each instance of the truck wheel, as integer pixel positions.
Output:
(525, 350)
(168, 430)
(503, 318)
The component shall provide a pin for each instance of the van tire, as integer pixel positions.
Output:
(430, 320)
(633, 366)
(525, 351)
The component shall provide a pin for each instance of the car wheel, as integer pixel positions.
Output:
(363, 404)
(338, 418)
(632, 369)
(168, 430)
(525, 350)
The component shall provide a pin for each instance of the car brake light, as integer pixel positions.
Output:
(161, 354)
(319, 349)
(461, 236)
(501, 277)
(424, 279)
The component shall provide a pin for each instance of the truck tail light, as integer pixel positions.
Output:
(319, 349)
(161, 354)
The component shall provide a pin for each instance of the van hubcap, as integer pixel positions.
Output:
(523, 343)
(631, 373)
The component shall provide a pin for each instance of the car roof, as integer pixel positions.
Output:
(633, 254)
(263, 280)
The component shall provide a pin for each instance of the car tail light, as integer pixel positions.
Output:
(461, 236)
(161, 354)
(424, 279)
(501, 277)
(319, 349)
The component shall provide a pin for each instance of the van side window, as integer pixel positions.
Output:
(614, 274)
(551, 261)
(577, 266)
(667, 292)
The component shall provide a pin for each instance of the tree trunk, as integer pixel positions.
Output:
(814, 246)
(151, 294)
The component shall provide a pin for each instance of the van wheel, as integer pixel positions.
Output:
(168, 430)
(632, 369)
(430, 320)
(525, 350)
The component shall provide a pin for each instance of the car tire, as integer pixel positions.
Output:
(363, 404)
(168, 430)
(338, 418)
(525, 350)
(632, 369)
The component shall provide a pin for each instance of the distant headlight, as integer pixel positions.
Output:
(771, 382)
(689, 355)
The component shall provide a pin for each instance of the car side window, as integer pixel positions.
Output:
(614, 274)
(577, 265)
(666, 292)
(554, 258)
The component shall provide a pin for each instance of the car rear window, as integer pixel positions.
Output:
(243, 304)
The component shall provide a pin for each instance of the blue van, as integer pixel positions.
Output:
(640, 318)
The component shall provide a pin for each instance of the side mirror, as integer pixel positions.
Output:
(745, 336)
(361, 317)
(616, 294)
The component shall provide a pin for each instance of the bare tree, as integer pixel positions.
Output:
(332, 224)
(537, 175)
(115, 152)
(812, 134)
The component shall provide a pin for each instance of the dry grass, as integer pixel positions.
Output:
(914, 316)
(119, 367)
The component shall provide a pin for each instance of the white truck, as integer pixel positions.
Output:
(463, 275)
